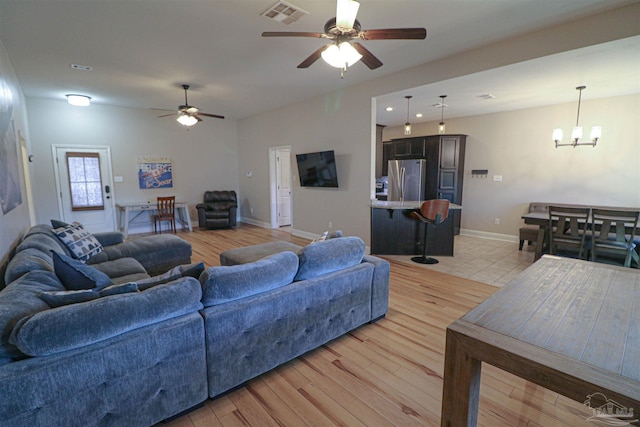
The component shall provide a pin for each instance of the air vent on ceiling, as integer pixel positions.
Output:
(485, 96)
(284, 12)
(439, 105)
(81, 67)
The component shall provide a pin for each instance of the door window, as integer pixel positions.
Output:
(85, 183)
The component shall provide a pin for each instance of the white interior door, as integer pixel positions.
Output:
(283, 186)
(85, 187)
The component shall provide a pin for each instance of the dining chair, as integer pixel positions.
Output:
(432, 212)
(165, 211)
(613, 235)
(568, 231)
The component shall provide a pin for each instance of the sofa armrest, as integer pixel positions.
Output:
(379, 286)
(109, 238)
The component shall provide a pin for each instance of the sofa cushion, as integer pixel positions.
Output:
(82, 244)
(328, 256)
(189, 270)
(228, 283)
(157, 253)
(77, 325)
(60, 298)
(253, 253)
(76, 275)
(120, 267)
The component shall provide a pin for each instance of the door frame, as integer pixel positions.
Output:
(56, 173)
(273, 187)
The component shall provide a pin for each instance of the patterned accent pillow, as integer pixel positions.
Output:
(82, 244)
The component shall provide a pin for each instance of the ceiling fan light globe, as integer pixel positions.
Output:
(187, 120)
(331, 55)
(349, 54)
(346, 11)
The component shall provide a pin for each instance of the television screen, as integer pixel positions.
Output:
(317, 169)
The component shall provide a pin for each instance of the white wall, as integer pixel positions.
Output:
(518, 146)
(204, 157)
(342, 121)
(15, 222)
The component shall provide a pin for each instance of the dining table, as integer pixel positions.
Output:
(541, 219)
(570, 326)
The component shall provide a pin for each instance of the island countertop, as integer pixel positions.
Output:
(407, 204)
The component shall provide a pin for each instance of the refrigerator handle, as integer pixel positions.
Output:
(402, 176)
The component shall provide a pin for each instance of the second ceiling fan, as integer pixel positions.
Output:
(188, 115)
(342, 52)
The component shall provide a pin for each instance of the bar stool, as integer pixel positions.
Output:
(432, 212)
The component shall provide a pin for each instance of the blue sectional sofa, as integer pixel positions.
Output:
(134, 357)
(129, 359)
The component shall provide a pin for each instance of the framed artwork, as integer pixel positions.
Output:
(154, 172)
(10, 193)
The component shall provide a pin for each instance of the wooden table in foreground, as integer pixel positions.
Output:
(570, 326)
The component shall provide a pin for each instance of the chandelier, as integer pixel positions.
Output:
(576, 132)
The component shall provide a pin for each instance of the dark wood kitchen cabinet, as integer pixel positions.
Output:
(445, 164)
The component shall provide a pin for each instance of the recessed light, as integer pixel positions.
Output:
(418, 115)
(389, 109)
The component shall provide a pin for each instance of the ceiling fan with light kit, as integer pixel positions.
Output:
(341, 30)
(187, 115)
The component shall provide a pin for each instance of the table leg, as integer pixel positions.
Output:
(540, 242)
(461, 390)
(126, 222)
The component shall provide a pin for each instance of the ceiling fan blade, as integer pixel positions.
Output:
(292, 34)
(368, 58)
(312, 58)
(211, 115)
(196, 116)
(167, 115)
(346, 11)
(394, 34)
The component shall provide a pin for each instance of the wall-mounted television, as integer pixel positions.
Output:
(317, 169)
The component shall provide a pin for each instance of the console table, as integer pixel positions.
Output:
(125, 217)
(567, 325)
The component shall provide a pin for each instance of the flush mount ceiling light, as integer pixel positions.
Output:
(407, 126)
(441, 125)
(79, 100)
(576, 132)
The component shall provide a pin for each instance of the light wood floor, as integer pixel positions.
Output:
(385, 374)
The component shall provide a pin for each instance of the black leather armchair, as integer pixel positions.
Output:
(218, 209)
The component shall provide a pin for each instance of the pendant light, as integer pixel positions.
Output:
(441, 126)
(407, 125)
(576, 132)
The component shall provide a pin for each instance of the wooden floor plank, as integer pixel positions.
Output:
(386, 373)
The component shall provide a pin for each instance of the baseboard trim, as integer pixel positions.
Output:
(255, 222)
(487, 235)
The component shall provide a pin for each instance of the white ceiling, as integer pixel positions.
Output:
(141, 52)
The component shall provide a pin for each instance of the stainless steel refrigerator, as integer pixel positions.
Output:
(406, 179)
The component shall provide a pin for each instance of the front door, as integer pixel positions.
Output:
(85, 188)
(283, 186)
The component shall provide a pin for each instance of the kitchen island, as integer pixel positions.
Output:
(395, 232)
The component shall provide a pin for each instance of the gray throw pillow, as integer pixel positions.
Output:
(76, 275)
